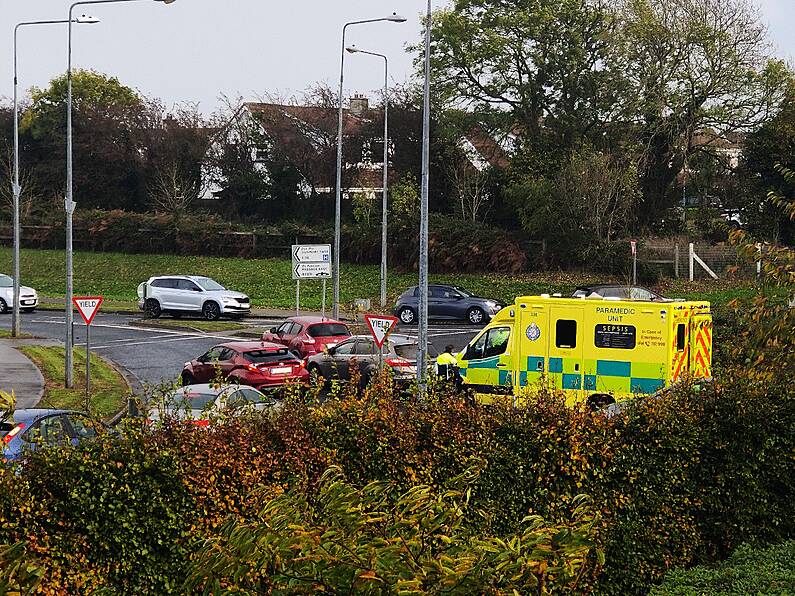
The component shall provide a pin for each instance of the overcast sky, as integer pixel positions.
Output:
(196, 50)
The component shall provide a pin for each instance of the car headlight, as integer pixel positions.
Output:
(228, 300)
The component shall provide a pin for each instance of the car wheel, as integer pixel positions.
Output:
(3, 307)
(476, 316)
(187, 379)
(152, 309)
(407, 315)
(211, 311)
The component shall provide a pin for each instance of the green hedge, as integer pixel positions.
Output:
(674, 482)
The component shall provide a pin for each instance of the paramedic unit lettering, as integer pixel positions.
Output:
(594, 350)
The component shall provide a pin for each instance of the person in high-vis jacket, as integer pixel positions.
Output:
(447, 363)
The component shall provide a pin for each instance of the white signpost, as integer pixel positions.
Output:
(311, 261)
(88, 307)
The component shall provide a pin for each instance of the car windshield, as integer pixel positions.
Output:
(466, 293)
(209, 284)
(328, 330)
(268, 356)
(6, 281)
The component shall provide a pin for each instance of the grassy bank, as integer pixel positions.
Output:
(108, 388)
(197, 324)
(269, 281)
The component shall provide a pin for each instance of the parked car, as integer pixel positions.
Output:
(28, 297)
(621, 292)
(32, 429)
(256, 364)
(399, 353)
(447, 303)
(190, 294)
(307, 336)
(198, 403)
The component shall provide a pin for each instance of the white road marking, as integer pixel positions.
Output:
(157, 341)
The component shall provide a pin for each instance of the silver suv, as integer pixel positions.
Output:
(182, 294)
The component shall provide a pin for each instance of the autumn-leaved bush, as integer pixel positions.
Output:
(382, 538)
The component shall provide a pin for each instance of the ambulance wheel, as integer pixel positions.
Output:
(407, 315)
(476, 316)
(597, 401)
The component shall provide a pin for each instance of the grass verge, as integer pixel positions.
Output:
(190, 324)
(6, 334)
(269, 281)
(108, 389)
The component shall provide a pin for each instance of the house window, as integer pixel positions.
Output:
(566, 334)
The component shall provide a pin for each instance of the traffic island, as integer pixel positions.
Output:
(109, 389)
(197, 326)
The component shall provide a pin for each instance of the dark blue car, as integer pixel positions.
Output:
(447, 303)
(29, 430)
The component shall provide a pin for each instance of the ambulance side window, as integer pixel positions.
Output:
(680, 337)
(566, 334)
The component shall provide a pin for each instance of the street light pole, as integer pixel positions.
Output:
(69, 204)
(423, 264)
(384, 217)
(15, 187)
(394, 18)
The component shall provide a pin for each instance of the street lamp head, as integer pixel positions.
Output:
(395, 18)
(166, 1)
(86, 19)
(351, 49)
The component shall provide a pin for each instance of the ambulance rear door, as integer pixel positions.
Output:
(701, 346)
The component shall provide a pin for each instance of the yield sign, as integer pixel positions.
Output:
(380, 326)
(87, 306)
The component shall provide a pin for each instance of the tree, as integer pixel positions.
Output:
(584, 208)
(107, 119)
(535, 67)
(689, 66)
(772, 143)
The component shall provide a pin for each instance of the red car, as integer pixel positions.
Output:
(257, 364)
(308, 335)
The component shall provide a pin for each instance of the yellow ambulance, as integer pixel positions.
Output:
(598, 350)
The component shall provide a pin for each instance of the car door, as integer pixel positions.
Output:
(226, 361)
(565, 365)
(366, 354)
(204, 366)
(191, 295)
(294, 342)
(340, 360)
(436, 304)
(167, 293)
(453, 304)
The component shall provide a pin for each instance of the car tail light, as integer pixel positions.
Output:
(397, 362)
(252, 368)
(13, 433)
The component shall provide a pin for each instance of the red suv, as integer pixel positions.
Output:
(257, 364)
(308, 335)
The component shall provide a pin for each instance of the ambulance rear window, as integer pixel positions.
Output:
(566, 334)
(680, 337)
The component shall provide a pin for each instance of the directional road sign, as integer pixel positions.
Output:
(380, 327)
(87, 306)
(312, 271)
(311, 261)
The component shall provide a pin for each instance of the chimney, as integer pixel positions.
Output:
(359, 104)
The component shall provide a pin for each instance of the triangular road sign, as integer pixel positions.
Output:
(87, 306)
(380, 327)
